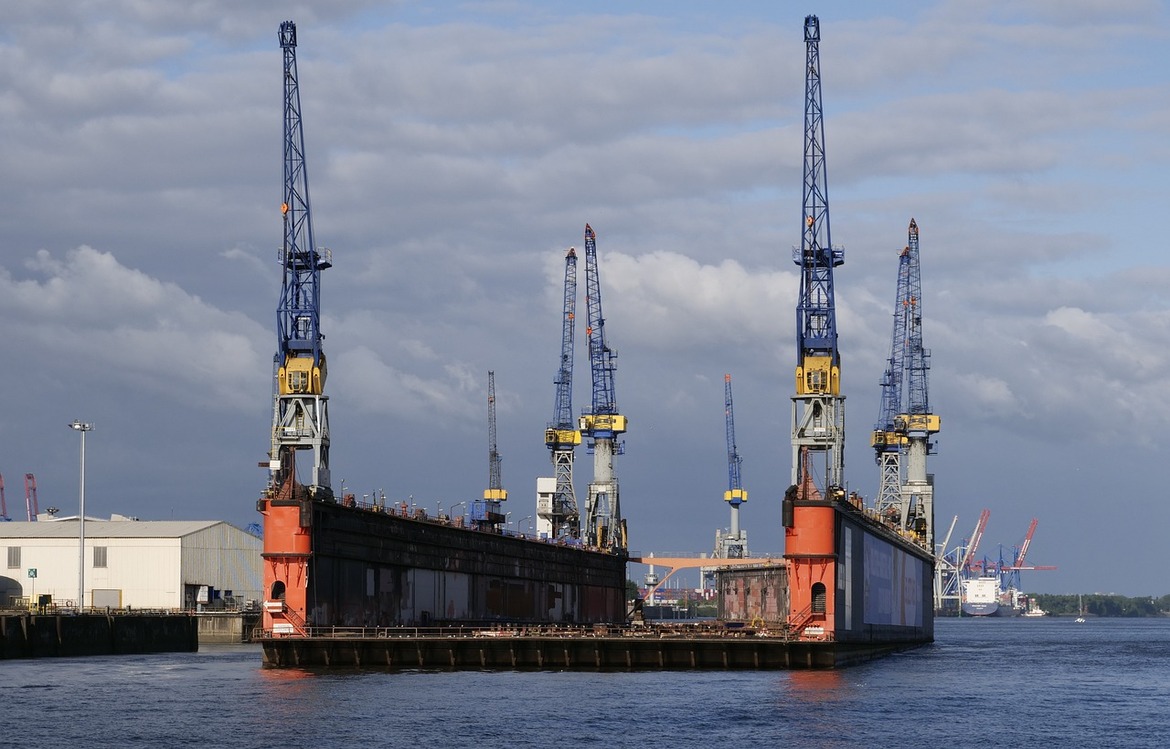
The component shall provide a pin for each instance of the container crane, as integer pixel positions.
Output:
(557, 509)
(946, 569)
(1012, 573)
(818, 408)
(973, 543)
(733, 544)
(486, 513)
(905, 423)
(300, 420)
(30, 497)
(604, 525)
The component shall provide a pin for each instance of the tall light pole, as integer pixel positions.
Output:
(83, 428)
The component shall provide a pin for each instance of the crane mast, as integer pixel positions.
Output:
(558, 516)
(917, 422)
(300, 419)
(733, 544)
(602, 425)
(905, 422)
(888, 444)
(495, 491)
(818, 408)
(485, 513)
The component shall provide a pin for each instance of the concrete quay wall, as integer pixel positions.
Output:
(68, 635)
(226, 627)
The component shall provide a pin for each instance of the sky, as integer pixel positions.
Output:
(455, 151)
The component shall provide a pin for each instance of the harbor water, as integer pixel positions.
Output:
(984, 682)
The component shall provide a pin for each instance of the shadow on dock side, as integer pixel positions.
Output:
(565, 650)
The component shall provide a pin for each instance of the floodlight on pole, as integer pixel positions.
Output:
(82, 427)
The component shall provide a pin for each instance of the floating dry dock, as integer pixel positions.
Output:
(679, 647)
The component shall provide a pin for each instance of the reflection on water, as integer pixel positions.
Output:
(814, 686)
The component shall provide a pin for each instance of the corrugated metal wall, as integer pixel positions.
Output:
(225, 558)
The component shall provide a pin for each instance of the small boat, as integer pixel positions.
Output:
(1033, 609)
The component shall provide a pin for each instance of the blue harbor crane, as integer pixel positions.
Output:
(300, 420)
(733, 544)
(905, 423)
(557, 511)
(604, 525)
(818, 408)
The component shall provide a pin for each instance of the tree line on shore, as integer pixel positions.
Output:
(1101, 604)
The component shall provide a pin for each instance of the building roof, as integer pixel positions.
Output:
(107, 528)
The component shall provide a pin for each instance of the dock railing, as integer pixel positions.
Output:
(693, 630)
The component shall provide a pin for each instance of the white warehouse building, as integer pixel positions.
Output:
(147, 564)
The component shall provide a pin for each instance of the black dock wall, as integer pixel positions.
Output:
(59, 635)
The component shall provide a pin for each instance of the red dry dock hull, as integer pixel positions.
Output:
(328, 564)
(847, 579)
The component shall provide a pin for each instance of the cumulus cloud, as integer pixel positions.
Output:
(86, 307)
(669, 301)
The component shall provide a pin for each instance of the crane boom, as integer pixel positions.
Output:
(561, 517)
(300, 413)
(733, 544)
(603, 424)
(495, 490)
(485, 513)
(1027, 542)
(563, 407)
(735, 493)
(30, 497)
(818, 409)
(976, 537)
(905, 423)
(887, 442)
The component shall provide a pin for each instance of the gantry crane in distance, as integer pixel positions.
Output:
(946, 570)
(818, 408)
(30, 497)
(557, 512)
(603, 424)
(1011, 573)
(965, 564)
(300, 420)
(733, 544)
(905, 422)
(485, 513)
